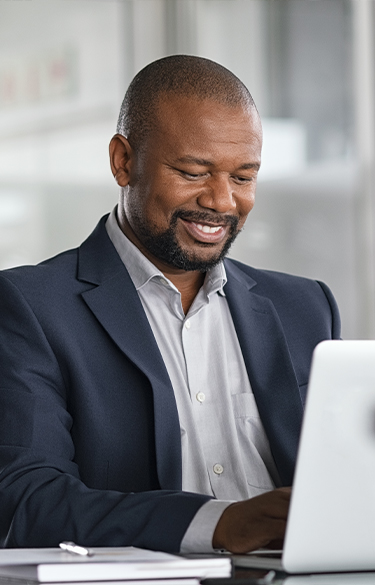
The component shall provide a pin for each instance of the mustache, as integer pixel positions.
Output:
(206, 217)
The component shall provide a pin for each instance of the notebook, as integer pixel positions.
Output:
(52, 565)
(331, 522)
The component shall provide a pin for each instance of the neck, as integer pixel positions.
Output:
(187, 283)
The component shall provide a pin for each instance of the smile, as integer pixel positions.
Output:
(204, 233)
(207, 229)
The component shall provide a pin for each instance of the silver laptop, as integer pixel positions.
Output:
(331, 522)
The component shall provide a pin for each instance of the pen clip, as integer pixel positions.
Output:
(75, 549)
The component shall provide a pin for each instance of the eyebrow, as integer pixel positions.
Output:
(207, 163)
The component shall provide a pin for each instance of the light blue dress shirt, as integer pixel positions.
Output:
(225, 451)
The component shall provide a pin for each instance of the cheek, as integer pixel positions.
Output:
(152, 200)
(160, 208)
(245, 205)
(169, 196)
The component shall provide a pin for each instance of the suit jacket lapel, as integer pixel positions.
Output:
(269, 366)
(115, 303)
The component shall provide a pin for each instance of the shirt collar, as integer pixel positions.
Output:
(142, 270)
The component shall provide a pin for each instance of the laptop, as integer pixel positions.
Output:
(331, 521)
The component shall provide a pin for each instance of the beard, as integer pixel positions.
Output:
(165, 246)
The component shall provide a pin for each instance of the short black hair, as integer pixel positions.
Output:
(185, 75)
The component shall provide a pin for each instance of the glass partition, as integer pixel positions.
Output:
(65, 65)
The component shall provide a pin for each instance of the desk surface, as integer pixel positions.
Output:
(366, 578)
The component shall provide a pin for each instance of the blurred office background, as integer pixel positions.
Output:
(65, 65)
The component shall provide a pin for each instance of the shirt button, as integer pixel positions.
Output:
(187, 324)
(201, 397)
(218, 469)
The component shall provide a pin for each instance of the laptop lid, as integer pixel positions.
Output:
(331, 522)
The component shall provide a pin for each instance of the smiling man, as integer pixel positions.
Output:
(151, 390)
(187, 191)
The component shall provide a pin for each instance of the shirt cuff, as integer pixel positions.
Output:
(198, 537)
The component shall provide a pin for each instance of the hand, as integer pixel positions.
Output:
(255, 523)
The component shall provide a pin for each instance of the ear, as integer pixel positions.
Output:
(121, 157)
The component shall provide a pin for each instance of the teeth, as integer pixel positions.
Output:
(207, 229)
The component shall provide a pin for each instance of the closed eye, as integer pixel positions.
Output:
(242, 180)
(192, 176)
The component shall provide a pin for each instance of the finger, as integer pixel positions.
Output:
(287, 490)
(260, 536)
(275, 544)
(273, 504)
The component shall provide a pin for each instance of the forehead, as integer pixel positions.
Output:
(184, 123)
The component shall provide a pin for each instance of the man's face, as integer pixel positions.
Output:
(193, 184)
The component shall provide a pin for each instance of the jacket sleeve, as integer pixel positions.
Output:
(42, 498)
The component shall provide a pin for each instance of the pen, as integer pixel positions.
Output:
(75, 549)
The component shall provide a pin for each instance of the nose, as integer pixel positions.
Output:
(218, 195)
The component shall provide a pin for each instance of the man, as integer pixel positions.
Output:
(152, 393)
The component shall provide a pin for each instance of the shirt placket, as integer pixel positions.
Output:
(212, 413)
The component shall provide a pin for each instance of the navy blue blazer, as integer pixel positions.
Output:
(89, 433)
